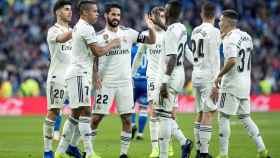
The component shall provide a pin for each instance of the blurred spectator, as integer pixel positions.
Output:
(24, 24)
(6, 89)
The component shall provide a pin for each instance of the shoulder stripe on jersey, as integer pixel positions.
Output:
(123, 27)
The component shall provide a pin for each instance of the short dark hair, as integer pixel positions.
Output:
(109, 6)
(82, 4)
(175, 9)
(209, 10)
(156, 9)
(59, 4)
(232, 14)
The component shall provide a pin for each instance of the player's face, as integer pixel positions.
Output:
(223, 23)
(65, 13)
(92, 13)
(114, 17)
(161, 17)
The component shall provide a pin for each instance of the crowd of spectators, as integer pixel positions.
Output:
(24, 23)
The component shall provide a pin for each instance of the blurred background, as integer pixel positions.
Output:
(24, 52)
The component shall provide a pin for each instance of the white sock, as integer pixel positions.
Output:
(67, 133)
(125, 141)
(85, 130)
(253, 132)
(48, 129)
(93, 136)
(76, 137)
(224, 134)
(177, 133)
(205, 132)
(196, 127)
(154, 130)
(165, 127)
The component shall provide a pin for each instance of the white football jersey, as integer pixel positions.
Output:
(115, 67)
(156, 57)
(59, 53)
(205, 43)
(81, 56)
(238, 44)
(176, 43)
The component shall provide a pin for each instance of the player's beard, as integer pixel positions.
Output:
(113, 22)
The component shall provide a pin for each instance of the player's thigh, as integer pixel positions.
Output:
(207, 103)
(55, 95)
(79, 89)
(177, 80)
(244, 107)
(103, 100)
(124, 99)
(228, 104)
(197, 101)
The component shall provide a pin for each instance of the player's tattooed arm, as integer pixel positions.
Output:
(151, 39)
(64, 37)
(169, 69)
(95, 76)
(99, 51)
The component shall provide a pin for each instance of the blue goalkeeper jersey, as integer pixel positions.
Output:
(141, 70)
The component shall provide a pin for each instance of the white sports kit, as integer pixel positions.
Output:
(205, 42)
(115, 72)
(235, 100)
(79, 76)
(59, 60)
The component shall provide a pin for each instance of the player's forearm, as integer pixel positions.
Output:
(171, 64)
(99, 51)
(151, 39)
(64, 37)
(228, 66)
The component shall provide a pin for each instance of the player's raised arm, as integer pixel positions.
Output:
(99, 50)
(151, 39)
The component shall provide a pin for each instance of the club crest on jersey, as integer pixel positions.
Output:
(105, 37)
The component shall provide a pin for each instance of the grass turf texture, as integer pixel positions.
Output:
(21, 137)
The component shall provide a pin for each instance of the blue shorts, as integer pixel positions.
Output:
(140, 92)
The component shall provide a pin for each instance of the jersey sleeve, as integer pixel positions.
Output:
(52, 35)
(170, 43)
(88, 34)
(231, 47)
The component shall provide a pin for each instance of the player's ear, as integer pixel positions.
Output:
(105, 15)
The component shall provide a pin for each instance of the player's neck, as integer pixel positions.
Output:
(62, 23)
(112, 29)
(229, 29)
(210, 21)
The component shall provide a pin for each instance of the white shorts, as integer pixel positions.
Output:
(203, 102)
(56, 94)
(177, 79)
(232, 105)
(123, 96)
(153, 89)
(79, 90)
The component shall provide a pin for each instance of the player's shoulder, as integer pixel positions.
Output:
(124, 28)
(176, 27)
(98, 33)
(54, 28)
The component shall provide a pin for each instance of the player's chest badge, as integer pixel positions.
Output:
(106, 38)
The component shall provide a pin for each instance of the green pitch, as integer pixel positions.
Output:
(21, 137)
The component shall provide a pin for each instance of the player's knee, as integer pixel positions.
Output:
(85, 111)
(126, 120)
(96, 119)
(243, 116)
(52, 113)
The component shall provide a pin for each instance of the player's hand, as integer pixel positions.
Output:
(149, 21)
(215, 94)
(163, 90)
(218, 82)
(116, 42)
